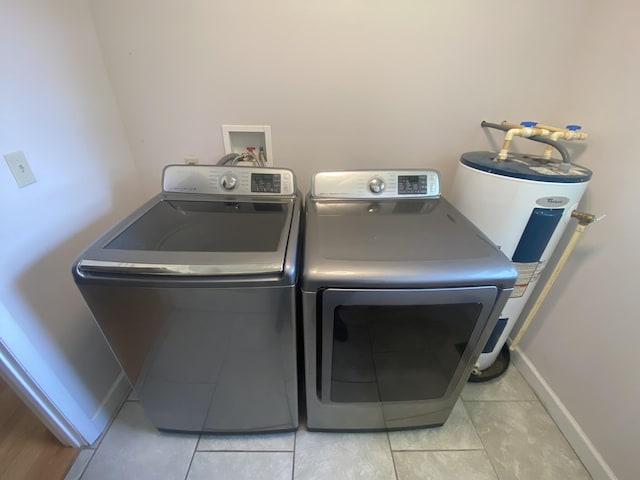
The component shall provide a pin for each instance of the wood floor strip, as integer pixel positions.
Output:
(28, 451)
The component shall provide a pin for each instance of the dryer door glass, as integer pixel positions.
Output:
(413, 348)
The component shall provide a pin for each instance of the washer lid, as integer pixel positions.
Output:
(183, 236)
(526, 167)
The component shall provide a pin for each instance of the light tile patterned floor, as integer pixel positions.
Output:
(497, 431)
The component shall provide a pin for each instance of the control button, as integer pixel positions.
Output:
(228, 181)
(376, 185)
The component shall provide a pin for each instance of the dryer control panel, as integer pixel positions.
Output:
(224, 180)
(365, 184)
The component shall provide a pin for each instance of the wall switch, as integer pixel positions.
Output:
(20, 168)
(237, 138)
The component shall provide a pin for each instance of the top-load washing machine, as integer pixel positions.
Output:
(399, 294)
(195, 292)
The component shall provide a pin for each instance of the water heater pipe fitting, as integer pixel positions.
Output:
(564, 153)
(563, 134)
(580, 135)
(520, 132)
(571, 132)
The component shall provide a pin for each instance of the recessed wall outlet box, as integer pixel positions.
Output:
(20, 168)
(237, 138)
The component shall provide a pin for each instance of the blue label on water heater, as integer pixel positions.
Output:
(540, 227)
(495, 335)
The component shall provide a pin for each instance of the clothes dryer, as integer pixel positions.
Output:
(399, 294)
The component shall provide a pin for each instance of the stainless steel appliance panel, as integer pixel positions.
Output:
(412, 243)
(195, 235)
(204, 359)
(399, 294)
(195, 292)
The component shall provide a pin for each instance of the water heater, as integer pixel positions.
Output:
(523, 204)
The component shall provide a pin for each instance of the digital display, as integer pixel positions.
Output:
(265, 182)
(412, 184)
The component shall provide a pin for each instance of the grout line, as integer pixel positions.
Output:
(192, 457)
(86, 465)
(245, 451)
(393, 460)
(484, 447)
(293, 456)
(98, 442)
(502, 401)
(406, 450)
(75, 459)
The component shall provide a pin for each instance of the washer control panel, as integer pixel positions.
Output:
(216, 180)
(376, 184)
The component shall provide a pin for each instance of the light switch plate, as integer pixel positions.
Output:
(20, 168)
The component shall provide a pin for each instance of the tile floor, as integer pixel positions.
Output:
(497, 430)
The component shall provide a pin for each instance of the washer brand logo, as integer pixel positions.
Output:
(185, 189)
(552, 201)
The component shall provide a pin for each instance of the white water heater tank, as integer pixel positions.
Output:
(523, 204)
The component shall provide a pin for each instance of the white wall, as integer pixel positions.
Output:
(57, 106)
(584, 340)
(406, 83)
(343, 84)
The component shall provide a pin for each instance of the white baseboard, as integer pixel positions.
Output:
(30, 392)
(111, 402)
(577, 438)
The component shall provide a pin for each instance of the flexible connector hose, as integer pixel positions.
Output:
(230, 158)
(564, 153)
(563, 134)
(234, 158)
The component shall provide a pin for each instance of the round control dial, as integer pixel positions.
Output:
(229, 181)
(376, 185)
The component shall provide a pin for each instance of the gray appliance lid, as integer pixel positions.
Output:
(214, 226)
(404, 243)
(194, 235)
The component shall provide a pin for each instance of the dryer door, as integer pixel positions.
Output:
(400, 345)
